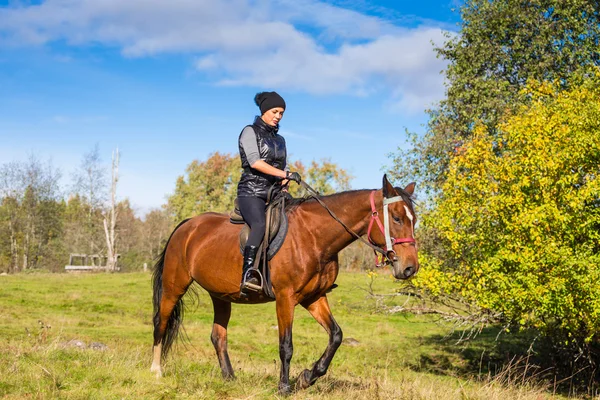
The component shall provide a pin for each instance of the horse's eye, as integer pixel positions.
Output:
(396, 218)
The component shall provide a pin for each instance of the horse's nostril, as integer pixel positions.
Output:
(409, 271)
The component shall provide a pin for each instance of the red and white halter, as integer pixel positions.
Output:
(385, 227)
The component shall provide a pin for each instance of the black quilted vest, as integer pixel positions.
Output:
(271, 148)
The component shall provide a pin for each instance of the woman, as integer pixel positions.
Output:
(264, 160)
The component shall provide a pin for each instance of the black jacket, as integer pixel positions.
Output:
(271, 147)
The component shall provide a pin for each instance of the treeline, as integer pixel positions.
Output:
(42, 223)
(510, 169)
(211, 185)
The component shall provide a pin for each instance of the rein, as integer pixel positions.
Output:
(374, 217)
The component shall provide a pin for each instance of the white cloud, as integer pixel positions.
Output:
(305, 45)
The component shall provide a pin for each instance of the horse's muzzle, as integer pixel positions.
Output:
(404, 272)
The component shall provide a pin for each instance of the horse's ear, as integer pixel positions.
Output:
(410, 188)
(388, 189)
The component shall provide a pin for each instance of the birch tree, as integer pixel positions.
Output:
(111, 215)
(90, 185)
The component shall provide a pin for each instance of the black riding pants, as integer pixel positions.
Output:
(253, 210)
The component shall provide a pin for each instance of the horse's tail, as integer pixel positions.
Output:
(176, 318)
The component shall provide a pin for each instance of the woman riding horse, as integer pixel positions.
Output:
(204, 250)
(264, 160)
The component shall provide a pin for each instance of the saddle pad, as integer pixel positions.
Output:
(234, 216)
(276, 237)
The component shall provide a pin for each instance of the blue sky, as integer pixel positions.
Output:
(173, 81)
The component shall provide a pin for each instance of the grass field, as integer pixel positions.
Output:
(396, 357)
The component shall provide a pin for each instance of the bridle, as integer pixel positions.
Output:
(385, 228)
(385, 255)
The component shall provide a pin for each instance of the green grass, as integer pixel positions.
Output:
(398, 357)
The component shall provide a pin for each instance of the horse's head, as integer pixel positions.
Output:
(399, 223)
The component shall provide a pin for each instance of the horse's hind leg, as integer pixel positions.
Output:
(320, 310)
(222, 311)
(168, 318)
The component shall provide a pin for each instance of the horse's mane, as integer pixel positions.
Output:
(292, 203)
(408, 198)
(295, 202)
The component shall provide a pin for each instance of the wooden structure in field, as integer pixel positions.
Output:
(88, 262)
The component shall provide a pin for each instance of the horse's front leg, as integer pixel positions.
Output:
(285, 318)
(320, 310)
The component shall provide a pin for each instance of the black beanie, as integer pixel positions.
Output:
(268, 100)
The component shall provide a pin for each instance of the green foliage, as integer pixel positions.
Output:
(501, 45)
(133, 260)
(39, 228)
(209, 185)
(324, 176)
(510, 213)
(327, 177)
(30, 215)
(519, 218)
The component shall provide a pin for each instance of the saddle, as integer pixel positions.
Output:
(275, 233)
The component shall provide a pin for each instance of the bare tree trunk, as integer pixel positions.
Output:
(25, 252)
(110, 218)
(14, 251)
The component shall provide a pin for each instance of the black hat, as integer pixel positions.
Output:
(268, 100)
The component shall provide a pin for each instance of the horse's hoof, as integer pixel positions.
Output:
(229, 377)
(157, 371)
(303, 381)
(285, 390)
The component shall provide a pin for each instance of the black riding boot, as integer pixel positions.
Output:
(249, 258)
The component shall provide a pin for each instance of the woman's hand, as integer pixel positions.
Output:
(265, 168)
(294, 176)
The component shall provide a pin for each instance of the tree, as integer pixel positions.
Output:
(501, 45)
(31, 209)
(75, 222)
(519, 217)
(209, 185)
(128, 228)
(156, 229)
(111, 215)
(39, 227)
(325, 177)
(11, 192)
(90, 185)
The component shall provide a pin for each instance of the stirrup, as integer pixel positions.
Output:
(252, 272)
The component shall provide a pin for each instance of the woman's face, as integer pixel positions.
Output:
(273, 116)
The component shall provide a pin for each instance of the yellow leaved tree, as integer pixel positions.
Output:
(519, 216)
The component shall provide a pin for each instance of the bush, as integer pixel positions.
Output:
(519, 217)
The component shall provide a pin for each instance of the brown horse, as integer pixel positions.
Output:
(205, 249)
